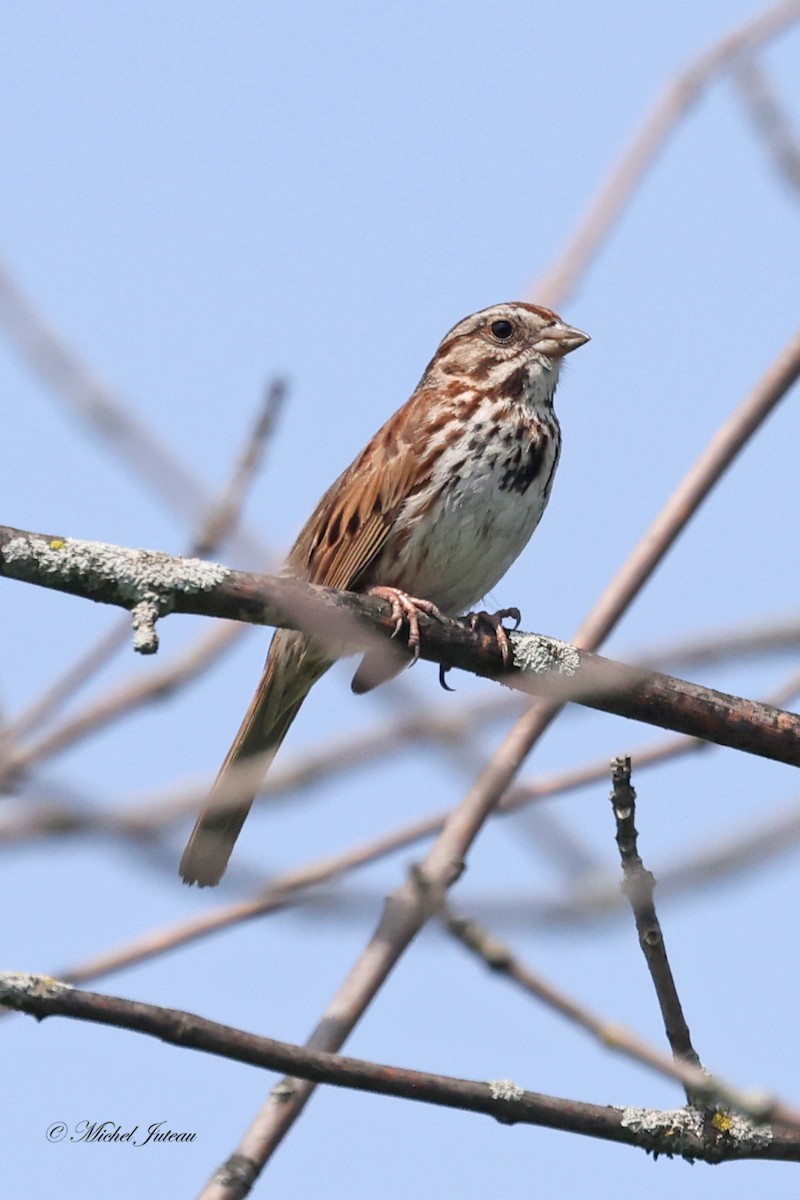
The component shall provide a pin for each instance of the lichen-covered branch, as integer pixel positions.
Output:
(674, 1133)
(147, 581)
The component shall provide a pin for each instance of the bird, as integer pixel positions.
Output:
(430, 515)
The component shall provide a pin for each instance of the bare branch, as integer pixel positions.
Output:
(672, 1133)
(748, 641)
(440, 725)
(225, 513)
(770, 119)
(215, 526)
(122, 700)
(639, 887)
(713, 462)
(105, 412)
(281, 891)
(500, 958)
(605, 207)
(771, 835)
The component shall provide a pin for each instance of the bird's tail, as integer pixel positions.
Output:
(294, 664)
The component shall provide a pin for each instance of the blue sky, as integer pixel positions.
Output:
(198, 196)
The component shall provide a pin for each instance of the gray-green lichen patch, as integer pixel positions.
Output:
(676, 1131)
(16, 984)
(531, 652)
(671, 1123)
(144, 616)
(505, 1089)
(134, 574)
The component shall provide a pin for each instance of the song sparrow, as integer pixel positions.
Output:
(438, 506)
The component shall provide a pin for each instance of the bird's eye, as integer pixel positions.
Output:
(502, 330)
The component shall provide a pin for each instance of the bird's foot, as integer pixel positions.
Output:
(406, 608)
(495, 622)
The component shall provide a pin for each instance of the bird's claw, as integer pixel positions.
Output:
(495, 623)
(406, 608)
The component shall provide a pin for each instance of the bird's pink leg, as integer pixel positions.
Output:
(406, 608)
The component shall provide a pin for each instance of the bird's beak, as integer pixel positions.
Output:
(559, 339)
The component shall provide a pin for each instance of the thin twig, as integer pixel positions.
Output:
(773, 834)
(770, 119)
(451, 727)
(225, 514)
(125, 699)
(405, 912)
(639, 886)
(604, 209)
(724, 447)
(281, 891)
(741, 642)
(106, 413)
(308, 766)
(216, 525)
(502, 960)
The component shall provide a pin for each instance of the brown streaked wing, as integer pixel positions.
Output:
(354, 518)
